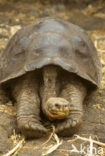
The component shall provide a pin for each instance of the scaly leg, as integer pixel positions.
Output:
(28, 106)
(74, 91)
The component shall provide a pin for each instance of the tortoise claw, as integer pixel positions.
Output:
(69, 126)
(31, 128)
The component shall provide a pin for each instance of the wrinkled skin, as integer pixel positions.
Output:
(30, 93)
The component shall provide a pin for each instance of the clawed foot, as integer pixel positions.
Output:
(69, 126)
(31, 128)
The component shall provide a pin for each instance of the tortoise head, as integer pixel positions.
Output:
(57, 108)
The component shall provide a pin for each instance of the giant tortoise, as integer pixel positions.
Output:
(49, 67)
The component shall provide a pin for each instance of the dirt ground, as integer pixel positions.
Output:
(88, 14)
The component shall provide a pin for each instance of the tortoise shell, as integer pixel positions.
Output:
(50, 41)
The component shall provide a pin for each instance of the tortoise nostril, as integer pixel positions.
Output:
(57, 105)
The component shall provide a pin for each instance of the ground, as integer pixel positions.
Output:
(90, 16)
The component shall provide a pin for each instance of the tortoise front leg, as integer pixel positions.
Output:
(74, 92)
(28, 107)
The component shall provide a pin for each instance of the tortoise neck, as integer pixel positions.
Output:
(49, 88)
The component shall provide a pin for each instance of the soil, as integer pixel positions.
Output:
(88, 14)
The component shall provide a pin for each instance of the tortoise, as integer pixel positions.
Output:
(49, 67)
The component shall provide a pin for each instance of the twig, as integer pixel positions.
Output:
(53, 148)
(100, 50)
(49, 136)
(94, 141)
(73, 140)
(19, 145)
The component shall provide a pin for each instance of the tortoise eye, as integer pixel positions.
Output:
(57, 105)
